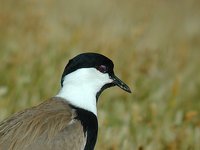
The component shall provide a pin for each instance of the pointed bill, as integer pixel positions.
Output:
(120, 84)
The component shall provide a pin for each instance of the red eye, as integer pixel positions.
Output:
(102, 68)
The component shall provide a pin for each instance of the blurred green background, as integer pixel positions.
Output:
(154, 44)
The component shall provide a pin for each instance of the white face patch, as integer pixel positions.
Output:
(81, 86)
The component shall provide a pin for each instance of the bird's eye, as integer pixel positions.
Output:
(102, 68)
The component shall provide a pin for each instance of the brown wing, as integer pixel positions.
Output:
(48, 126)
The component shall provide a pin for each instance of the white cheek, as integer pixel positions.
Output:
(98, 79)
(90, 77)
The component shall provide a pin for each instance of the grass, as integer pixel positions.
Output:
(154, 44)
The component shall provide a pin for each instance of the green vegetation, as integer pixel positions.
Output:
(155, 46)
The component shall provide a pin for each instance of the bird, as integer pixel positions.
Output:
(68, 120)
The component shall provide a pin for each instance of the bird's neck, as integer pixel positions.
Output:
(82, 96)
(81, 88)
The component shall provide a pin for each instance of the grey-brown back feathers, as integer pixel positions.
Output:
(48, 126)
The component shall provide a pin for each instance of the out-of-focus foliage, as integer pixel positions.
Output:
(154, 44)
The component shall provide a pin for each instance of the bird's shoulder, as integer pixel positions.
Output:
(43, 122)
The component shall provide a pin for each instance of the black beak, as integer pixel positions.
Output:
(120, 83)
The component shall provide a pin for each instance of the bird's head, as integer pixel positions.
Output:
(85, 77)
(93, 69)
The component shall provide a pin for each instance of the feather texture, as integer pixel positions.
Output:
(50, 126)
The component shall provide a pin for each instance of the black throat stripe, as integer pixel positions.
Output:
(90, 126)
